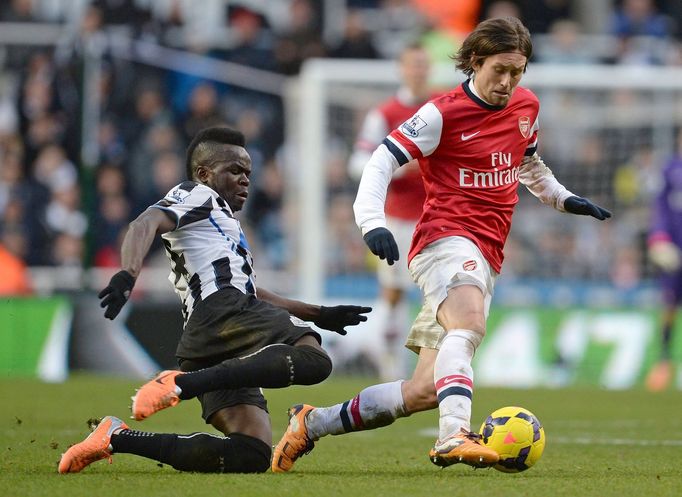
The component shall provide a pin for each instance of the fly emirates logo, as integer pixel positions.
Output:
(502, 173)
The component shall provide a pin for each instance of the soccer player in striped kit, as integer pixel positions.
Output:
(237, 337)
(474, 145)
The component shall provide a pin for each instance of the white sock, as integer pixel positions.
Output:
(454, 379)
(373, 407)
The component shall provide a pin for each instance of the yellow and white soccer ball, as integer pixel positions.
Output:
(516, 435)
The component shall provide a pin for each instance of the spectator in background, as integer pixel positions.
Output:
(111, 217)
(202, 111)
(404, 202)
(252, 40)
(300, 40)
(501, 8)
(642, 31)
(564, 45)
(665, 243)
(356, 42)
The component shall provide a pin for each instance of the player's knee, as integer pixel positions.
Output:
(316, 368)
(246, 454)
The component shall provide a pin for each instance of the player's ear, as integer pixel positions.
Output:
(203, 173)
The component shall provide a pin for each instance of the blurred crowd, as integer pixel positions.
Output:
(60, 205)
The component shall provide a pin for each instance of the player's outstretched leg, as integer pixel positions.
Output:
(295, 442)
(156, 394)
(95, 447)
(464, 447)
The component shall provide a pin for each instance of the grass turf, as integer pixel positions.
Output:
(599, 443)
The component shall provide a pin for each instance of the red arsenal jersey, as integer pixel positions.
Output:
(469, 154)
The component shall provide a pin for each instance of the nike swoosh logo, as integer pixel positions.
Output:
(447, 381)
(469, 137)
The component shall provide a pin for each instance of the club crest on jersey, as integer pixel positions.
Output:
(412, 127)
(470, 265)
(524, 126)
(179, 195)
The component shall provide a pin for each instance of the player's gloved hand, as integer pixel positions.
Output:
(338, 317)
(381, 242)
(665, 255)
(116, 294)
(582, 206)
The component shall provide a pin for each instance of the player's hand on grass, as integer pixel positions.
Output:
(338, 317)
(583, 207)
(382, 244)
(116, 294)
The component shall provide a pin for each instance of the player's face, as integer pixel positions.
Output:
(415, 66)
(229, 175)
(497, 76)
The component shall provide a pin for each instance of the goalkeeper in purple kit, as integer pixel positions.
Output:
(665, 244)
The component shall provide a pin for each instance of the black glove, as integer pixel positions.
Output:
(582, 206)
(338, 317)
(116, 294)
(381, 242)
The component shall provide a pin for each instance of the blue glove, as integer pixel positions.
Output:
(582, 206)
(382, 244)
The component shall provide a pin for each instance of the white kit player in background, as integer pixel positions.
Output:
(474, 144)
(404, 201)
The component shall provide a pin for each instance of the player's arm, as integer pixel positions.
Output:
(417, 137)
(334, 318)
(540, 181)
(136, 244)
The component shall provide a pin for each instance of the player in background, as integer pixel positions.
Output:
(404, 201)
(236, 338)
(474, 145)
(665, 244)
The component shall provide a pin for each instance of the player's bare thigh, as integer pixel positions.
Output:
(245, 419)
(419, 392)
(463, 308)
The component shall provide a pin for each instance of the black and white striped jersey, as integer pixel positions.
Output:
(207, 249)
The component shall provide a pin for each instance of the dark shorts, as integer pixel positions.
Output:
(212, 402)
(230, 324)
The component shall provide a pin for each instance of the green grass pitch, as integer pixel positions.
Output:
(599, 443)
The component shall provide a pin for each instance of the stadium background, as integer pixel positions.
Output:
(98, 100)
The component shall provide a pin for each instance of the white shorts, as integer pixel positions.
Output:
(397, 275)
(425, 331)
(451, 262)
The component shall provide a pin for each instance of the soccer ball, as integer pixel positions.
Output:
(516, 435)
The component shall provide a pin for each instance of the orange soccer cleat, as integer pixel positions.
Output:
(295, 442)
(156, 394)
(464, 447)
(660, 376)
(95, 447)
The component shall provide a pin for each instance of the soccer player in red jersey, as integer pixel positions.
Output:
(474, 145)
(404, 201)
